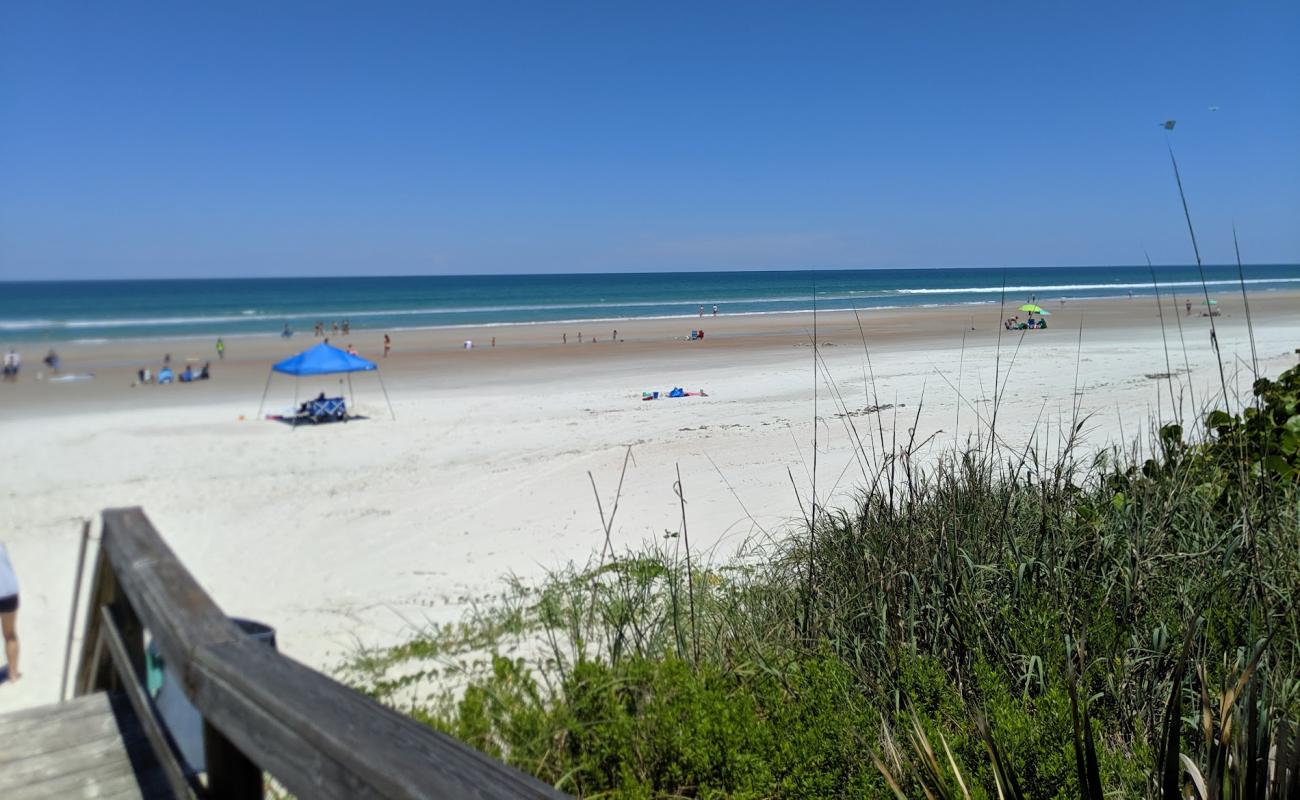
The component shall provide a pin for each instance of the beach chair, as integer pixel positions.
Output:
(331, 409)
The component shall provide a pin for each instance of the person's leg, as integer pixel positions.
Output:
(9, 625)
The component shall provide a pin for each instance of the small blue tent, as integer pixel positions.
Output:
(323, 359)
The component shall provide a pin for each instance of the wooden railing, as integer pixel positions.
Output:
(261, 710)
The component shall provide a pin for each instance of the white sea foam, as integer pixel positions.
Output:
(1088, 287)
(608, 311)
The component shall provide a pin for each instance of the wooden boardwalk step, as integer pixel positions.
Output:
(91, 746)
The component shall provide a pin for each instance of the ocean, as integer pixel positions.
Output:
(89, 310)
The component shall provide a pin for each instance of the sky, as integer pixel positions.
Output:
(346, 138)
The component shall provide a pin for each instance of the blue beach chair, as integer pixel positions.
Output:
(330, 409)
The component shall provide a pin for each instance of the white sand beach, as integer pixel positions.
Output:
(358, 533)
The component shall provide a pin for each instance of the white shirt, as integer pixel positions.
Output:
(8, 580)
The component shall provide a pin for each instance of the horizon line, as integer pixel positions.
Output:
(688, 270)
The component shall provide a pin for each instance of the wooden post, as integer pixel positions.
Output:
(94, 672)
(72, 616)
(231, 775)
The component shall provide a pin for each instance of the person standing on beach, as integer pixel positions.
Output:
(615, 336)
(701, 312)
(388, 345)
(13, 362)
(1189, 308)
(9, 613)
(494, 341)
(347, 327)
(221, 349)
(715, 310)
(564, 338)
(579, 337)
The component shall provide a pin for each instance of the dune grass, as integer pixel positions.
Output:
(994, 625)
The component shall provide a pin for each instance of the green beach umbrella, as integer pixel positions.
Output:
(1031, 308)
(1210, 302)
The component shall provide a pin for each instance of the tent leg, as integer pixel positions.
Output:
(391, 412)
(262, 404)
(296, 381)
(352, 396)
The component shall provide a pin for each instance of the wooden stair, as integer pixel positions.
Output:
(91, 746)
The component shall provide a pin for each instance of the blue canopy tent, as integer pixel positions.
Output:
(323, 359)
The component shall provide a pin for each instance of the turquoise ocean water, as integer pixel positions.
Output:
(88, 310)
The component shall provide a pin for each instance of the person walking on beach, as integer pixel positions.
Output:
(13, 362)
(564, 338)
(579, 337)
(1189, 308)
(347, 327)
(615, 336)
(9, 613)
(334, 328)
(701, 312)
(221, 349)
(494, 341)
(388, 345)
(715, 310)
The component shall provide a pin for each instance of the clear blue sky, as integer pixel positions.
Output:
(297, 138)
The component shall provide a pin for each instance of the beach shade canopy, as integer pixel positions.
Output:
(1031, 308)
(1210, 302)
(323, 359)
(1043, 313)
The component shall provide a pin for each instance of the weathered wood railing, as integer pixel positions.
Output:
(261, 710)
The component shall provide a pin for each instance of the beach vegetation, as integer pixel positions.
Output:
(995, 624)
